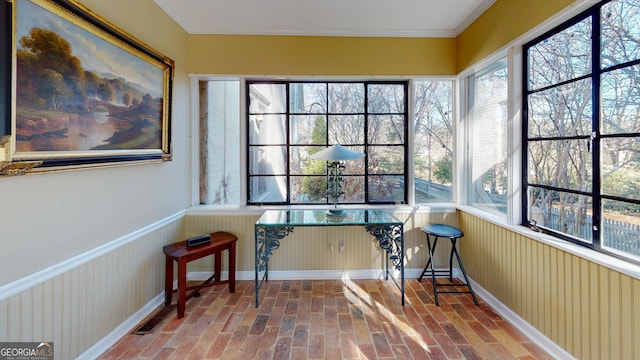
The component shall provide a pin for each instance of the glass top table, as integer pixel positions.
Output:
(275, 225)
(321, 218)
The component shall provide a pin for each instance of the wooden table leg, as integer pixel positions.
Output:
(232, 268)
(182, 286)
(168, 280)
(217, 267)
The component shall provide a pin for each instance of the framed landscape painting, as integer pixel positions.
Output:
(84, 92)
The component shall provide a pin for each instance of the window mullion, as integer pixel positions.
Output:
(514, 140)
(595, 137)
(366, 142)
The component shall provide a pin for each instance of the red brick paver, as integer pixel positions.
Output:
(329, 319)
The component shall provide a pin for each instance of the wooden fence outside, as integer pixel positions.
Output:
(616, 234)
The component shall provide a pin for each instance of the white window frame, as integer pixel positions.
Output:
(462, 158)
(195, 143)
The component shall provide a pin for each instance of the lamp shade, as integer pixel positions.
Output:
(336, 153)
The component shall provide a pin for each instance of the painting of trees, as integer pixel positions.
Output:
(48, 74)
(52, 89)
(82, 89)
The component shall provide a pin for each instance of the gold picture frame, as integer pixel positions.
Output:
(82, 91)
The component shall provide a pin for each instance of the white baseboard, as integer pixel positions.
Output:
(123, 329)
(536, 336)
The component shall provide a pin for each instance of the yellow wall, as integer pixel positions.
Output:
(320, 55)
(365, 56)
(503, 22)
(591, 311)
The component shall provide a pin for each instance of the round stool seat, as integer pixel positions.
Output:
(442, 230)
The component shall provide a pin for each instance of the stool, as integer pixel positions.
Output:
(453, 233)
(182, 254)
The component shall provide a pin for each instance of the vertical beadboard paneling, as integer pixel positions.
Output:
(58, 321)
(591, 311)
(635, 300)
(78, 308)
(553, 294)
(576, 301)
(571, 302)
(614, 314)
(581, 288)
(12, 316)
(563, 300)
(593, 322)
(626, 298)
(25, 314)
(547, 281)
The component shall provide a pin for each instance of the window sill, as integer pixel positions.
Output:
(605, 260)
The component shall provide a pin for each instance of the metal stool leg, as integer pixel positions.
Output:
(453, 247)
(431, 250)
(430, 264)
(464, 273)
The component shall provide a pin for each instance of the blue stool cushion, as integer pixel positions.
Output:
(442, 230)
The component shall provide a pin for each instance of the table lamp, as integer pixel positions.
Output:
(335, 155)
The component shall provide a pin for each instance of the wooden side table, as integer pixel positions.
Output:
(180, 253)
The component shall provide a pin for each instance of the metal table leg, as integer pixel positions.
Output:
(391, 240)
(267, 239)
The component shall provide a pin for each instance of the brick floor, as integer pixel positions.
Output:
(329, 319)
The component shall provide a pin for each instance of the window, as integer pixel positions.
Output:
(288, 121)
(305, 112)
(433, 140)
(219, 141)
(582, 130)
(487, 114)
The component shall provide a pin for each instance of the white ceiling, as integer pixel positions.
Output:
(402, 18)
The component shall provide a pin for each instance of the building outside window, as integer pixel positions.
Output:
(219, 148)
